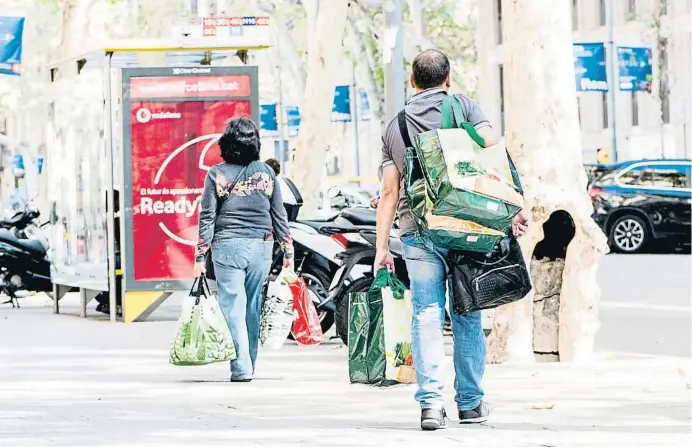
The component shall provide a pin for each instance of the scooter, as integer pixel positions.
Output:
(24, 262)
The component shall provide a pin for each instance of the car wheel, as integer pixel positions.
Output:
(629, 234)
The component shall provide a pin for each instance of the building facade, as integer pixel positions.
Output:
(648, 125)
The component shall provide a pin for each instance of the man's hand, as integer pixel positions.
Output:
(383, 259)
(200, 269)
(520, 224)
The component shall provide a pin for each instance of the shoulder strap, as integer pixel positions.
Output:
(219, 203)
(403, 128)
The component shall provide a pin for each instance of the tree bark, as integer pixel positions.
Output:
(545, 143)
(324, 57)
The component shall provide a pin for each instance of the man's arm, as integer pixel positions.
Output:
(488, 135)
(386, 213)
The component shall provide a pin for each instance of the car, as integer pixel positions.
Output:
(642, 201)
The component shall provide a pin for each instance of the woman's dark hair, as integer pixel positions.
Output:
(275, 165)
(240, 142)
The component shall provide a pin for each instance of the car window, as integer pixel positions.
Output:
(636, 177)
(670, 176)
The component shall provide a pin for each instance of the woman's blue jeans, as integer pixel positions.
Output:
(242, 266)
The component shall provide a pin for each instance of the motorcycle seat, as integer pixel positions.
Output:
(29, 245)
(360, 216)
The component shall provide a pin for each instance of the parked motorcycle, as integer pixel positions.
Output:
(24, 259)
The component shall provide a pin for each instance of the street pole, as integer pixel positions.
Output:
(356, 143)
(611, 84)
(394, 62)
(282, 145)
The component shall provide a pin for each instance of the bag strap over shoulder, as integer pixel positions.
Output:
(453, 116)
(403, 128)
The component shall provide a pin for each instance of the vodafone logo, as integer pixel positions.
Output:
(144, 115)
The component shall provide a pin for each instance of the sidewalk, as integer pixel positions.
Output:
(66, 381)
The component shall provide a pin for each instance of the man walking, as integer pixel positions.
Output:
(426, 263)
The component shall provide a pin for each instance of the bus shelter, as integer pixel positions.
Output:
(132, 133)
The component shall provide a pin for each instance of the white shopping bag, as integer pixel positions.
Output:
(397, 310)
(277, 311)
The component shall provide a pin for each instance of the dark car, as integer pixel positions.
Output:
(637, 202)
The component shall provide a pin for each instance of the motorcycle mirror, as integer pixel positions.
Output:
(333, 192)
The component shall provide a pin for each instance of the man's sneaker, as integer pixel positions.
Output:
(433, 419)
(478, 415)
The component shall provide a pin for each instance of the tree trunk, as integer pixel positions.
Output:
(324, 57)
(543, 136)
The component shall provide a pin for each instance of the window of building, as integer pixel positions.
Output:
(630, 9)
(669, 176)
(635, 108)
(575, 15)
(501, 73)
(498, 10)
(602, 13)
(604, 107)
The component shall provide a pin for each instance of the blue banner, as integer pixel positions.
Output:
(341, 109)
(590, 67)
(365, 113)
(11, 30)
(293, 120)
(634, 68)
(269, 126)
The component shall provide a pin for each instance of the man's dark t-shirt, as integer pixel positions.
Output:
(422, 114)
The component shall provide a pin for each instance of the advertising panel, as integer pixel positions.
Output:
(172, 125)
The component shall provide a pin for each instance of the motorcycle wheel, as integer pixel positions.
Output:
(317, 281)
(359, 285)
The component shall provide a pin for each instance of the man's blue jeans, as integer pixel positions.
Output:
(427, 271)
(242, 266)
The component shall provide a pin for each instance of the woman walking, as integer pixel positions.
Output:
(241, 212)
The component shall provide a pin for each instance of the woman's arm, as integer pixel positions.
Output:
(280, 221)
(207, 216)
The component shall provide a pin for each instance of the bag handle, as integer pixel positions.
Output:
(451, 109)
(200, 288)
(384, 279)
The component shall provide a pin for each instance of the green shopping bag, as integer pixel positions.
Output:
(203, 336)
(379, 335)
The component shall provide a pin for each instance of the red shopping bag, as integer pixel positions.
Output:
(306, 329)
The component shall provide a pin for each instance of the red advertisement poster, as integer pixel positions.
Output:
(173, 146)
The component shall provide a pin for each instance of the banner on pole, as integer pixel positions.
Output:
(293, 120)
(269, 126)
(590, 67)
(11, 30)
(635, 68)
(341, 108)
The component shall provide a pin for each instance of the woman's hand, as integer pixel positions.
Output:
(200, 269)
(289, 263)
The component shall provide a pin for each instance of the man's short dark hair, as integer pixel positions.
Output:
(275, 165)
(240, 142)
(430, 69)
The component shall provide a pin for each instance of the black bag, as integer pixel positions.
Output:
(208, 262)
(483, 281)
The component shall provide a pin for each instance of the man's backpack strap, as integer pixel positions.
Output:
(403, 129)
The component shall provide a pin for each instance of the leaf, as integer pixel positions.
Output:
(541, 407)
